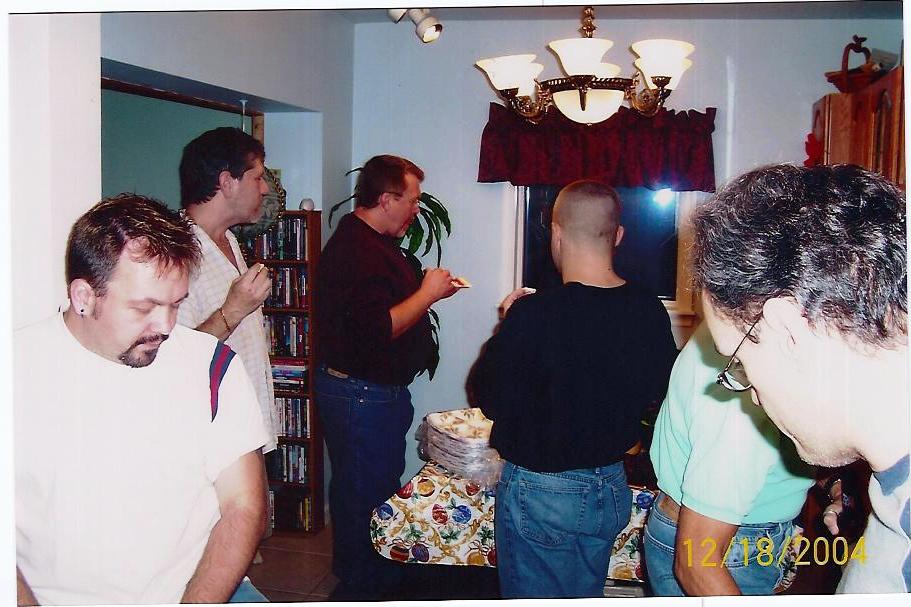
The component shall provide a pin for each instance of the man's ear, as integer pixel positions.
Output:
(383, 200)
(556, 234)
(226, 183)
(82, 297)
(619, 236)
(788, 328)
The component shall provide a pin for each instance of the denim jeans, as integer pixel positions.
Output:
(246, 592)
(555, 531)
(749, 574)
(365, 426)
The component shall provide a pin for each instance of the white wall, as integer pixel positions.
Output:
(429, 103)
(55, 154)
(302, 58)
(294, 145)
(54, 175)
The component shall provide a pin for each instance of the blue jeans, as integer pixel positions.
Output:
(365, 426)
(555, 531)
(749, 575)
(246, 592)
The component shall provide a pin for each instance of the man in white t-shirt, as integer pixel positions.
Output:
(222, 185)
(803, 272)
(139, 477)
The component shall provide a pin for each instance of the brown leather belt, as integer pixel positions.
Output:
(335, 373)
(669, 507)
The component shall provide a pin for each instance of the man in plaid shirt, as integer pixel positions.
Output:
(222, 185)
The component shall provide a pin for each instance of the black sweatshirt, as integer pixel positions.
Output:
(362, 275)
(568, 375)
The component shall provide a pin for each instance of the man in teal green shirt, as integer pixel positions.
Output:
(730, 483)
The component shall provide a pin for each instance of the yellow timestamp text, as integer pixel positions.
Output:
(799, 549)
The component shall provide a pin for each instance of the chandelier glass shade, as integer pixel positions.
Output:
(512, 72)
(592, 90)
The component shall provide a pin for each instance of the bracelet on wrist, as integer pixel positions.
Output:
(225, 320)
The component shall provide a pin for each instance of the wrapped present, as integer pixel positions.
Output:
(459, 441)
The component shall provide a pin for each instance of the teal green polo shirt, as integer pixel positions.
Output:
(717, 453)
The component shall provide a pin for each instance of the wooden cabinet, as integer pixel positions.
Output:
(866, 127)
(290, 249)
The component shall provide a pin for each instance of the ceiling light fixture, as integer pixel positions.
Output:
(591, 91)
(426, 27)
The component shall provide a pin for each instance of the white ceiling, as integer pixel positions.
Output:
(853, 9)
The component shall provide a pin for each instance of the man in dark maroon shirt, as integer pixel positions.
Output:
(374, 339)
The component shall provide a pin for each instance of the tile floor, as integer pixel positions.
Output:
(295, 567)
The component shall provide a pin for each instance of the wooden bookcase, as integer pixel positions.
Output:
(290, 249)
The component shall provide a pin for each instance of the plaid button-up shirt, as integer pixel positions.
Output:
(209, 285)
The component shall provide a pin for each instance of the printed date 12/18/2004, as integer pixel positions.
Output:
(820, 551)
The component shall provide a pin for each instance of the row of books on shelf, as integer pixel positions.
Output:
(287, 239)
(296, 514)
(293, 417)
(287, 463)
(289, 288)
(288, 335)
(289, 377)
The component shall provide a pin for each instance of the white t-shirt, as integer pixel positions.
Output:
(209, 284)
(115, 465)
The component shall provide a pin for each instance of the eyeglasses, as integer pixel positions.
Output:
(414, 202)
(733, 377)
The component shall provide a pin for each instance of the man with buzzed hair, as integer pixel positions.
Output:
(566, 379)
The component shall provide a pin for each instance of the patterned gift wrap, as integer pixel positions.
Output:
(441, 518)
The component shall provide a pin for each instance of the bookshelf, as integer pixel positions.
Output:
(290, 248)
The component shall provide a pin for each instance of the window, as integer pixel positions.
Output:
(652, 253)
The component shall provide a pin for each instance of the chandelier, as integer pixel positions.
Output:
(591, 91)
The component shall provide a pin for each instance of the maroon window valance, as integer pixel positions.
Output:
(670, 150)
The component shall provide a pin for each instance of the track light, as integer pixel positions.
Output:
(426, 27)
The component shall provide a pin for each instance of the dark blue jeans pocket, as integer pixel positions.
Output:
(622, 510)
(553, 508)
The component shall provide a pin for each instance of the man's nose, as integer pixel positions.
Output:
(164, 319)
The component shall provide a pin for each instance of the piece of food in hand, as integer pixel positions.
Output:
(460, 282)
(259, 267)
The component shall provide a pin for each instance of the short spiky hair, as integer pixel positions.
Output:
(831, 237)
(223, 149)
(98, 238)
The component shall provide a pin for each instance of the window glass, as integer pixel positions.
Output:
(647, 255)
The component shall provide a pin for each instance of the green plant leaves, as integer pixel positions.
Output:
(437, 209)
(428, 226)
(434, 359)
(336, 206)
(414, 236)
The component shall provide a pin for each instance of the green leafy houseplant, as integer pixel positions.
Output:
(425, 232)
